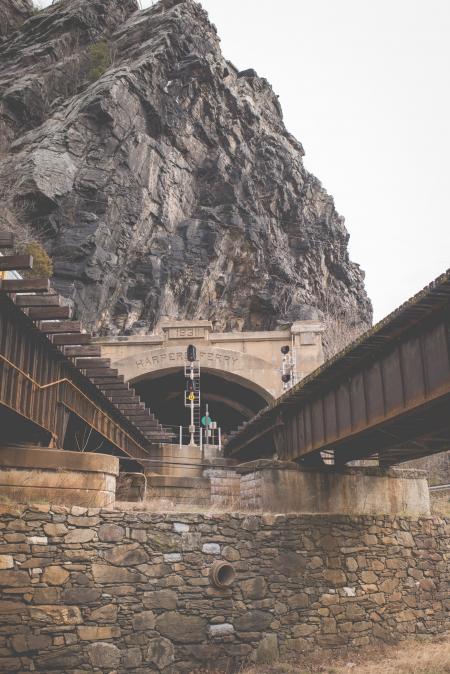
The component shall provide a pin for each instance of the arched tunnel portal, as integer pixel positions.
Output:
(240, 371)
(231, 399)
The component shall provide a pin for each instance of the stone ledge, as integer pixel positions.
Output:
(20, 510)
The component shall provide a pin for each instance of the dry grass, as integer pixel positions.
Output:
(409, 657)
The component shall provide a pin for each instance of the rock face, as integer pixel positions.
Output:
(163, 181)
(12, 14)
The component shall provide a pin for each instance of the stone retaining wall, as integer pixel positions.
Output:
(97, 591)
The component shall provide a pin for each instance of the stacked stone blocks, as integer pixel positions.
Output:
(90, 590)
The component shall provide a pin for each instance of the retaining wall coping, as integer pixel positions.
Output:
(15, 510)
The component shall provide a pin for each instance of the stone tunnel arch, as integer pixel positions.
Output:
(230, 398)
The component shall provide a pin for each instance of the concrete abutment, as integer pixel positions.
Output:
(188, 475)
(282, 487)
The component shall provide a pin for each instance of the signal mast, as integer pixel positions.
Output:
(192, 398)
(288, 368)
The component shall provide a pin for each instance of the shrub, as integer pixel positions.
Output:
(99, 59)
(42, 263)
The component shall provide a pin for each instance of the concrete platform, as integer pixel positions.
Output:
(34, 474)
(177, 462)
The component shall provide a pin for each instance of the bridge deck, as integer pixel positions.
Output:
(387, 394)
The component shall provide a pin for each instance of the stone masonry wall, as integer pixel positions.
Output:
(225, 487)
(100, 591)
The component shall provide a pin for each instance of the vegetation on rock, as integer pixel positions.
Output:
(42, 262)
(99, 59)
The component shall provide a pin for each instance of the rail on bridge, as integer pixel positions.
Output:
(55, 389)
(385, 396)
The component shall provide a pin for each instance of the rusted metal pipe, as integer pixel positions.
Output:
(222, 574)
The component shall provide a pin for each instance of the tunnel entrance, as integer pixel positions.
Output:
(231, 399)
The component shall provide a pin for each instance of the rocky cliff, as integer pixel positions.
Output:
(163, 181)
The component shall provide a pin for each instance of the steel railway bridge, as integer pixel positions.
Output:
(385, 396)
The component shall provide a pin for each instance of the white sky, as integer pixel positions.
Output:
(364, 86)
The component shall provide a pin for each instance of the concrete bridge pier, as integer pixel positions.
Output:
(185, 477)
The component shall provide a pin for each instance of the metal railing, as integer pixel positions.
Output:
(203, 437)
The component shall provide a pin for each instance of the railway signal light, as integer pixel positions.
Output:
(288, 367)
(191, 353)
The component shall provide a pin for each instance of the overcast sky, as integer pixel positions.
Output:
(364, 86)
